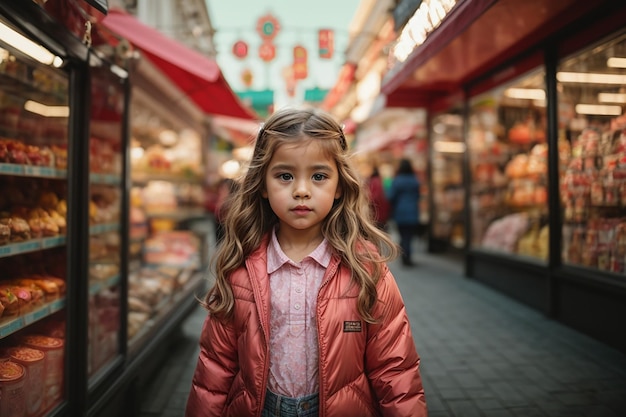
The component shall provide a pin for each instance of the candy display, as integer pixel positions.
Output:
(509, 172)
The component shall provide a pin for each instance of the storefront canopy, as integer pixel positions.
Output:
(475, 36)
(195, 74)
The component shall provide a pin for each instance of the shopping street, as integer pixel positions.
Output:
(121, 120)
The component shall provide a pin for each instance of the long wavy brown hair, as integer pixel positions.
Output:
(349, 228)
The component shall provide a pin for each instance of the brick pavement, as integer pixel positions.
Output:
(483, 354)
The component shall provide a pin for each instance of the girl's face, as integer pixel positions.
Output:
(301, 185)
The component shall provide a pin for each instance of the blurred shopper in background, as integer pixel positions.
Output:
(378, 200)
(305, 317)
(404, 197)
(224, 191)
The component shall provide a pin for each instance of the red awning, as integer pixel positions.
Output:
(477, 36)
(196, 75)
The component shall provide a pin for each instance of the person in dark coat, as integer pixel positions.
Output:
(404, 197)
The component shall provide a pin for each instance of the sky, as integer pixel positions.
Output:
(299, 21)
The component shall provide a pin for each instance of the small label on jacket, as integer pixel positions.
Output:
(352, 326)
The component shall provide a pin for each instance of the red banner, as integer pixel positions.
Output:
(326, 43)
(300, 66)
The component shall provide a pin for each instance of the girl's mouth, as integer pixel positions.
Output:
(301, 210)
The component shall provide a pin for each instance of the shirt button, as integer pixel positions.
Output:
(299, 290)
(297, 306)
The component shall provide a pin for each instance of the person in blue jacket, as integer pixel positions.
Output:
(404, 196)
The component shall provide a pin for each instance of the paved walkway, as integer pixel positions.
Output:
(483, 354)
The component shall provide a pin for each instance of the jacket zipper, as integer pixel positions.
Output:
(262, 320)
(322, 398)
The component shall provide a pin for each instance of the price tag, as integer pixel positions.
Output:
(14, 169)
(57, 305)
(37, 171)
(11, 327)
(28, 246)
(51, 242)
(39, 314)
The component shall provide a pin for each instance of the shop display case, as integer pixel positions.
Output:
(106, 198)
(102, 258)
(167, 250)
(447, 149)
(34, 111)
(508, 155)
(592, 129)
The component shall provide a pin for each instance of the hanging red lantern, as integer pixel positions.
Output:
(300, 66)
(267, 51)
(326, 43)
(247, 77)
(240, 49)
(267, 27)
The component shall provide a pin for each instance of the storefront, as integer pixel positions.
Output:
(102, 181)
(526, 120)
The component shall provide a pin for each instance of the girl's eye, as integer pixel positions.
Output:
(319, 177)
(285, 177)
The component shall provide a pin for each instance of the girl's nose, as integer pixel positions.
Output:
(301, 190)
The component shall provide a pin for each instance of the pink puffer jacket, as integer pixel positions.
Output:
(365, 370)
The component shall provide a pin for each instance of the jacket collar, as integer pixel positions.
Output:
(276, 258)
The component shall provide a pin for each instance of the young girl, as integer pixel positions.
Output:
(305, 318)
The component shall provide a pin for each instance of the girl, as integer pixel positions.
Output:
(305, 318)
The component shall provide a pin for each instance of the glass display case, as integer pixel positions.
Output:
(34, 111)
(448, 188)
(106, 150)
(508, 169)
(592, 134)
(167, 253)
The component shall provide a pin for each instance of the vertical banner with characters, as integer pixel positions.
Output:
(326, 43)
(300, 65)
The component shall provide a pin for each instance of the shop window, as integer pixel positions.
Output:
(592, 136)
(447, 155)
(508, 167)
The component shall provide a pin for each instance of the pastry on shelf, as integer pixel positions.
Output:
(20, 229)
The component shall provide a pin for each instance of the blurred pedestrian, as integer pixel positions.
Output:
(404, 197)
(225, 190)
(305, 317)
(378, 200)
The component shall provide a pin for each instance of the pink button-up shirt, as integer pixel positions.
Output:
(293, 329)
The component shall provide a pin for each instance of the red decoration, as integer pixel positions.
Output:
(300, 67)
(240, 49)
(326, 43)
(267, 27)
(247, 77)
(267, 51)
(290, 81)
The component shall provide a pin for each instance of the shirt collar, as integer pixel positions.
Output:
(276, 258)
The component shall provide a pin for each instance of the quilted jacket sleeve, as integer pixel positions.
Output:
(215, 370)
(392, 360)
